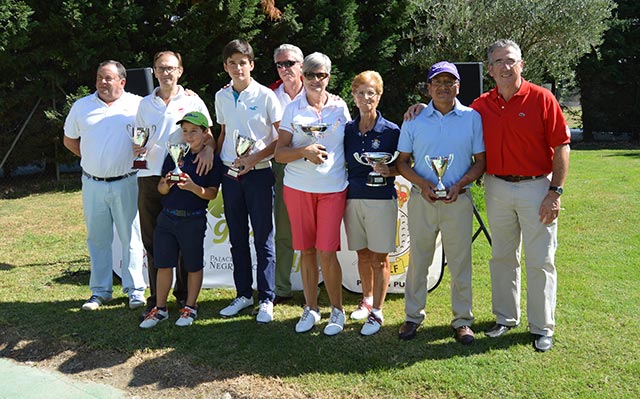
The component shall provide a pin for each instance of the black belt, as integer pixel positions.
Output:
(184, 213)
(517, 179)
(108, 179)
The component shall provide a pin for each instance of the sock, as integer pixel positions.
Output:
(368, 300)
(377, 313)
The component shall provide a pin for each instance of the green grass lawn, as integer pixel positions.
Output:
(44, 272)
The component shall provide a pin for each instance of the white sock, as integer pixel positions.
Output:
(377, 313)
(368, 300)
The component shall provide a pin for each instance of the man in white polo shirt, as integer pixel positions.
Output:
(96, 130)
(159, 112)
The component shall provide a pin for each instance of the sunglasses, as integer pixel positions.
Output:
(285, 64)
(317, 75)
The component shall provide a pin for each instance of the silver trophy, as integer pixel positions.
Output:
(243, 145)
(314, 131)
(439, 165)
(177, 151)
(375, 179)
(140, 135)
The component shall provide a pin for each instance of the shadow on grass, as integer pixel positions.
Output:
(6, 267)
(221, 348)
(23, 186)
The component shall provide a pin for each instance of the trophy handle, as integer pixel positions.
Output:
(450, 159)
(393, 158)
(428, 161)
(188, 147)
(357, 157)
(130, 128)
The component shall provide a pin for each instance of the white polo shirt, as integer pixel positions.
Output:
(105, 143)
(253, 114)
(284, 98)
(153, 112)
(331, 175)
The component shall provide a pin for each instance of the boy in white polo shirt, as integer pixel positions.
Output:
(249, 109)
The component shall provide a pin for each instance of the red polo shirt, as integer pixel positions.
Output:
(520, 135)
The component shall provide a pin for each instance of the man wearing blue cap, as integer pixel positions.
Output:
(453, 133)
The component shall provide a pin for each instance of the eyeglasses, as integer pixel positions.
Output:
(447, 83)
(170, 69)
(366, 94)
(510, 62)
(317, 75)
(285, 64)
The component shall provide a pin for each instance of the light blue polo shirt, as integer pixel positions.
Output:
(459, 132)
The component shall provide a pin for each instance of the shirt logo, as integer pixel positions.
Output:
(521, 114)
(375, 144)
(253, 108)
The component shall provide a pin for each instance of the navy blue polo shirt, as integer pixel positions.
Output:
(180, 199)
(382, 138)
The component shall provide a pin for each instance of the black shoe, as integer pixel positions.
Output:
(146, 311)
(497, 330)
(542, 343)
(281, 299)
(408, 330)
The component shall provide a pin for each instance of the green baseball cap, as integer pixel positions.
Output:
(195, 117)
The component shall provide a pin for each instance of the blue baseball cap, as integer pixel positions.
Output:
(442, 67)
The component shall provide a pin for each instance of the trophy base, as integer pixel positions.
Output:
(441, 194)
(177, 178)
(139, 164)
(376, 181)
(233, 173)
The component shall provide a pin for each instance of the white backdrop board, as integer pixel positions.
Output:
(218, 265)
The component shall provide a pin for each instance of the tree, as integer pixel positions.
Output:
(609, 77)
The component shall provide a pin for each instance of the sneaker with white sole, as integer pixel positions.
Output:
(154, 317)
(362, 312)
(137, 300)
(372, 325)
(187, 316)
(236, 306)
(94, 302)
(265, 312)
(308, 319)
(336, 322)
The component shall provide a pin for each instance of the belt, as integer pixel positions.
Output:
(259, 165)
(108, 179)
(184, 213)
(517, 179)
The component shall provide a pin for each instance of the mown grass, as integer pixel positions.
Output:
(44, 279)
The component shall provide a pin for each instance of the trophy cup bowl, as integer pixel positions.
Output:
(140, 136)
(314, 131)
(375, 179)
(177, 151)
(439, 165)
(243, 145)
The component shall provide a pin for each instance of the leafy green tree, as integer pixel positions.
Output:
(609, 77)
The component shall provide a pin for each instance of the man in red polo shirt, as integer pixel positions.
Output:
(527, 144)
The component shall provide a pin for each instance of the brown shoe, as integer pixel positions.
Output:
(408, 330)
(465, 335)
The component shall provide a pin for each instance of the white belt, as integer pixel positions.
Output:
(259, 165)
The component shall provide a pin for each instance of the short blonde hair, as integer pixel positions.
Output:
(370, 77)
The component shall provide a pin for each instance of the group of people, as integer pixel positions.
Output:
(305, 166)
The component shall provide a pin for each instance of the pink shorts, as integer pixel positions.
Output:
(315, 218)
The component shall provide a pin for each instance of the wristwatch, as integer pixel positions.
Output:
(556, 189)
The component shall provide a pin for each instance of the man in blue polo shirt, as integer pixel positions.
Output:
(445, 127)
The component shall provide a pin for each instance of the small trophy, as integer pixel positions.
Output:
(314, 131)
(243, 145)
(140, 135)
(177, 151)
(439, 165)
(375, 179)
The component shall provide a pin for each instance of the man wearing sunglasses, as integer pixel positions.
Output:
(288, 60)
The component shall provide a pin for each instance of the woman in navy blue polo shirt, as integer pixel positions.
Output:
(372, 210)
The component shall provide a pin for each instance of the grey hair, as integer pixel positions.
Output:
(295, 50)
(314, 61)
(503, 43)
(122, 71)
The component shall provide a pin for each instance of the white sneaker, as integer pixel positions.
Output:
(95, 302)
(308, 319)
(372, 325)
(362, 312)
(265, 312)
(154, 317)
(336, 322)
(137, 300)
(236, 306)
(187, 316)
